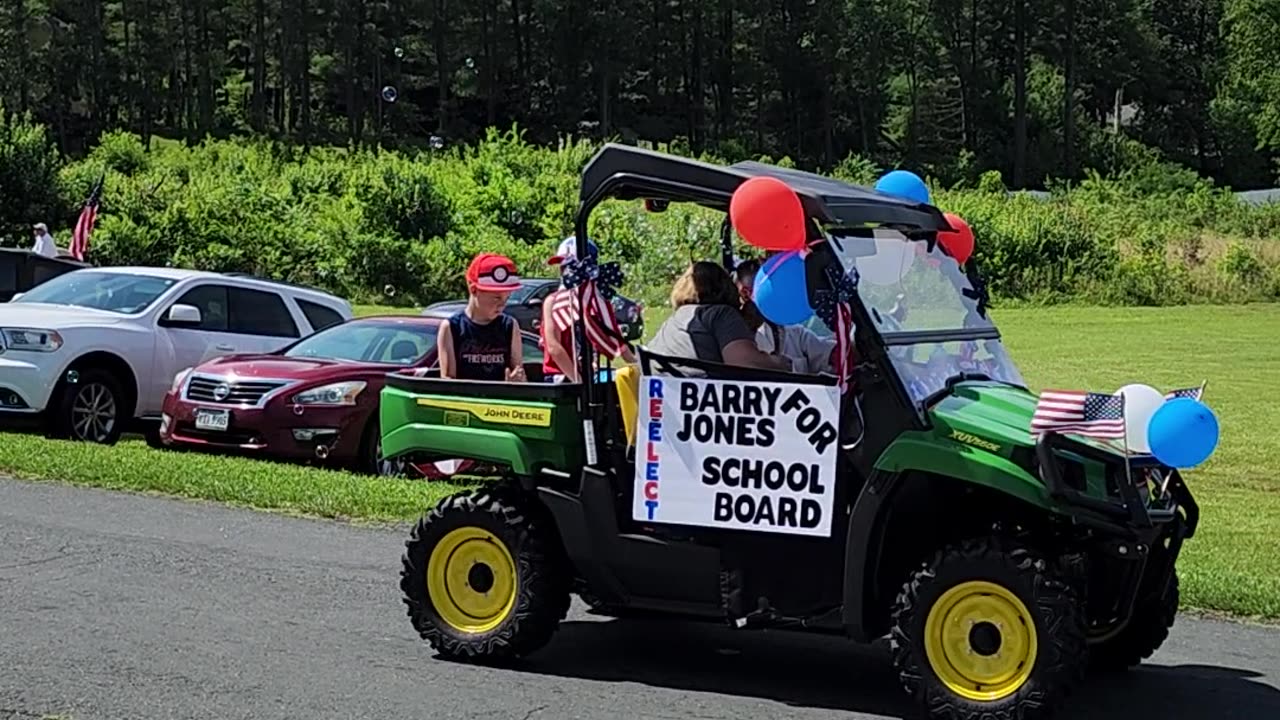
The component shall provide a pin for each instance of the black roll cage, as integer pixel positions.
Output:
(623, 172)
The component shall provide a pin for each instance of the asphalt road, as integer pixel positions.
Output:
(119, 606)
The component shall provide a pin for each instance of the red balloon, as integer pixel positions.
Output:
(959, 241)
(768, 214)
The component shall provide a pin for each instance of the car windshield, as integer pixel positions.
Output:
(388, 342)
(909, 289)
(122, 293)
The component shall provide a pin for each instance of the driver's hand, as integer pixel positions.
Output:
(516, 374)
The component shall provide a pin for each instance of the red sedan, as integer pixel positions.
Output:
(315, 399)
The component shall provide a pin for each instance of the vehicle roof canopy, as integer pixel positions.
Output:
(628, 173)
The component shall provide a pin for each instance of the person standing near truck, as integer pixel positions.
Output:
(44, 244)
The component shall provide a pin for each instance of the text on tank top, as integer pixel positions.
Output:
(481, 352)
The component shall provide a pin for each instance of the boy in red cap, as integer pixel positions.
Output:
(481, 342)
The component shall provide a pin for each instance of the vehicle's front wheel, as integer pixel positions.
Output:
(988, 629)
(92, 408)
(483, 576)
(1146, 632)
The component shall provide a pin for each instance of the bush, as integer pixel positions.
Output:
(393, 227)
(30, 190)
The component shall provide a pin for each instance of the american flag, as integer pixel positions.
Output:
(1082, 413)
(602, 323)
(88, 218)
(1193, 392)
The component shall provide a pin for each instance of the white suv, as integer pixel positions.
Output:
(94, 349)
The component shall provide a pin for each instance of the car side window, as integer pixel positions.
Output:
(318, 315)
(542, 292)
(257, 312)
(211, 301)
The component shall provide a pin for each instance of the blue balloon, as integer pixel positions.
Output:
(905, 184)
(781, 291)
(1182, 433)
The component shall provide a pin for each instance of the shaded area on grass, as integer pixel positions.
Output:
(132, 465)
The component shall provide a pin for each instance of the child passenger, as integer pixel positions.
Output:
(481, 342)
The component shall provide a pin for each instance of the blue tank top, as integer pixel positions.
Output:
(481, 352)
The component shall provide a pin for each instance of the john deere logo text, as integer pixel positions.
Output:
(498, 414)
(974, 440)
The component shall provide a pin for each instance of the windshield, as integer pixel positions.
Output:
(389, 342)
(908, 288)
(115, 292)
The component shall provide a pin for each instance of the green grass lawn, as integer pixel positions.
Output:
(1232, 565)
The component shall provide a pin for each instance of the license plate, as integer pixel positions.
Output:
(216, 420)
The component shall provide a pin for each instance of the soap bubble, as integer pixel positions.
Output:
(389, 94)
(399, 52)
(437, 142)
(470, 63)
(389, 290)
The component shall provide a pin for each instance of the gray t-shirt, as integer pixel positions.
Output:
(699, 332)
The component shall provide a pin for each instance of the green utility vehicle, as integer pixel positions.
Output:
(916, 504)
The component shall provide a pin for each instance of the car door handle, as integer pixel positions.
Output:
(224, 347)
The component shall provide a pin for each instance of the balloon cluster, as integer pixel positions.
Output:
(1180, 432)
(768, 214)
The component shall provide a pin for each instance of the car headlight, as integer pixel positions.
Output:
(343, 393)
(30, 339)
(180, 378)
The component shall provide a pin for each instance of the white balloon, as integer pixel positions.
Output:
(1140, 403)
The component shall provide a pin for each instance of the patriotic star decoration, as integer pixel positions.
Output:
(844, 286)
(607, 276)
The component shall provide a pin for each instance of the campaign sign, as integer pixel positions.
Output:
(737, 455)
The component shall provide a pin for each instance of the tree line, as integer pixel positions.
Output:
(1040, 90)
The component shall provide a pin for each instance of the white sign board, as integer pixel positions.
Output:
(737, 455)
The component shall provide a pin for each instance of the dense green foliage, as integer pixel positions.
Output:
(951, 88)
(385, 226)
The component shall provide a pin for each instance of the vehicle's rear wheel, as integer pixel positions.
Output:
(92, 409)
(483, 577)
(988, 629)
(1153, 615)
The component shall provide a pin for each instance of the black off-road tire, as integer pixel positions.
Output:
(1055, 610)
(542, 581)
(1153, 616)
(62, 421)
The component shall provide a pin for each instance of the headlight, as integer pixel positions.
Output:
(180, 378)
(30, 339)
(343, 393)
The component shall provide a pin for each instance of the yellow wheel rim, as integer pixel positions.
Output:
(980, 640)
(472, 580)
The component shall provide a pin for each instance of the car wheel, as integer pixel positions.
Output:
(91, 408)
(371, 460)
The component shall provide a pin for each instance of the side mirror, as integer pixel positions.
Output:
(183, 315)
(655, 205)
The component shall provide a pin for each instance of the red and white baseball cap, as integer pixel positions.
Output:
(569, 249)
(493, 273)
